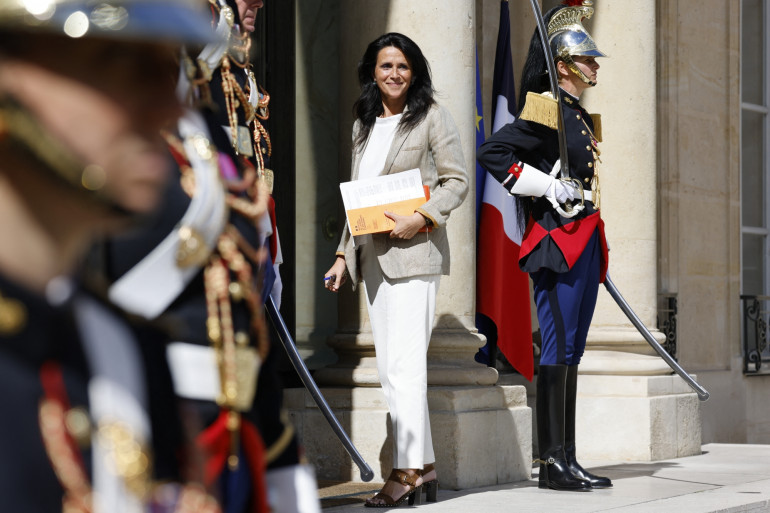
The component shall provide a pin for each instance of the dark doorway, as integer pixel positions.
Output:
(274, 67)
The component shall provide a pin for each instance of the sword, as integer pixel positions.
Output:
(299, 365)
(569, 211)
(554, 86)
(623, 304)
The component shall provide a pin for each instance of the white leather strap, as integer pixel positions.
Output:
(212, 53)
(156, 281)
(118, 401)
(194, 371)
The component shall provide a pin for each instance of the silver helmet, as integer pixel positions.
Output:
(156, 20)
(567, 36)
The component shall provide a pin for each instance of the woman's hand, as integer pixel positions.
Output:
(406, 226)
(335, 277)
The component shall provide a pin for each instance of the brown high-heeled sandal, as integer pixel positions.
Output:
(430, 487)
(412, 494)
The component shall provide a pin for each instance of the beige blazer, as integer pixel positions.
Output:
(434, 147)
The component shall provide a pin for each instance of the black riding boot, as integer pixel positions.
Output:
(554, 471)
(569, 433)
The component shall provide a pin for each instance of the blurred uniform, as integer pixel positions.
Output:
(222, 362)
(91, 419)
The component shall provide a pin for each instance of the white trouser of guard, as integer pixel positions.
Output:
(293, 489)
(401, 315)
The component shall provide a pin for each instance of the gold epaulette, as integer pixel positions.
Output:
(541, 109)
(597, 119)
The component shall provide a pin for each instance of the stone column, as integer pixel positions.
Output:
(316, 231)
(620, 372)
(482, 433)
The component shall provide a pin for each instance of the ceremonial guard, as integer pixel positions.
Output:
(90, 416)
(206, 268)
(563, 248)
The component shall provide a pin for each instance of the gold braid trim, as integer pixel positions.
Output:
(64, 460)
(25, 129)
(280, 445)
(541, 109)
(597, 119)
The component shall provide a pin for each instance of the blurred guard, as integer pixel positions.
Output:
(205, 267)
(564, 248)
(90, 416)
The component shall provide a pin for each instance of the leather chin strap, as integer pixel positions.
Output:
(28, 134)
(572, 66)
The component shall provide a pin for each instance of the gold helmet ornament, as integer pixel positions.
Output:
(567, 36)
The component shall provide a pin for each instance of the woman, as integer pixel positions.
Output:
(564, 251)
(398, 127)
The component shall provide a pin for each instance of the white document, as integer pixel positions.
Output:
(379, 191)
(382, 190)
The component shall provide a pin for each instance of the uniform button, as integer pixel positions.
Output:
(588, 148)
(242, 338)
(578, 116)
(586, 179)
(584, 132)
(590, 164)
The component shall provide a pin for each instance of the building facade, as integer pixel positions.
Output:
(685, 188)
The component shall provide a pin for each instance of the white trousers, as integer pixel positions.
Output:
(401, 315)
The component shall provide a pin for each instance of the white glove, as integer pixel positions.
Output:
(562, 191)
(533, 182)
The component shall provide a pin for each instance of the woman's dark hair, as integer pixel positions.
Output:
(419, 96)
(534, 77)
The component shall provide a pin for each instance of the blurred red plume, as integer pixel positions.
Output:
(573, 3)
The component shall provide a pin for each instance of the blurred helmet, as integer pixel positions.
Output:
(126, 23)
(150, 20)
(567, 36)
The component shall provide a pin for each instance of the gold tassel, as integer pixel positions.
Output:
(597, 119)
(541, 109)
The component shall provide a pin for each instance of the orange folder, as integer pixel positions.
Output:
(372, 219)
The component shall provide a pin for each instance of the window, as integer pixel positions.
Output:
(755, 185)
(755, 228)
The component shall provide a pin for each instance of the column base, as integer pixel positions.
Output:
(481, 435)
(636, 418)
(450, 360)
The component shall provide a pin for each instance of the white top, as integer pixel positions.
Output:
(378, 146)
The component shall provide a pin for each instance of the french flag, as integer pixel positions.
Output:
(502, 289)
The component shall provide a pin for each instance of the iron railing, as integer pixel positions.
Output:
(755, 319)
(667, 321)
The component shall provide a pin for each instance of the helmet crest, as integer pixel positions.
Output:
(567, 36)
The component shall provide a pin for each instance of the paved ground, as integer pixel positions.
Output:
(725, 479)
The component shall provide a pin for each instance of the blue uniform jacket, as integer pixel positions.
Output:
(550, 240)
